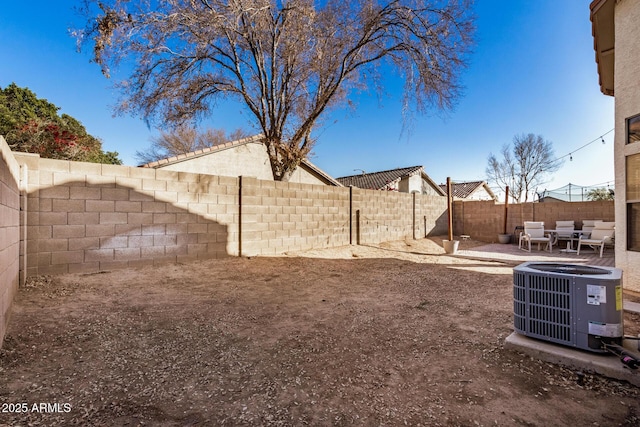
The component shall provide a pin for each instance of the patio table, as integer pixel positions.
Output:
(575, 236)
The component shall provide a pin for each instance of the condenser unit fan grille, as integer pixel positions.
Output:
(548, 300)
(569, 269)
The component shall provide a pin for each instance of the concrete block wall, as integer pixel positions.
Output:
(9, 233)
(483, 220)
(90, 217)
(431, 216)
(388, 215)
(382, 215)
(85, 217)
(278, 217)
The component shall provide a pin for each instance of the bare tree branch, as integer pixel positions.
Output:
(523, 167)
(288, 62)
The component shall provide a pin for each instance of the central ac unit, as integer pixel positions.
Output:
(570, 304)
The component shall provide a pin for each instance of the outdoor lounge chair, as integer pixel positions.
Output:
(588, 225)
(564, 231)
(534, 233)
(602, 234)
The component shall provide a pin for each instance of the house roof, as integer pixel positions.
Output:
(462, 190)
(231, 144)
(381, 180)
(602, 28)
(377, 180)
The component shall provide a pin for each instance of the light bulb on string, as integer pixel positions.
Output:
(602, 139)
(570, 157)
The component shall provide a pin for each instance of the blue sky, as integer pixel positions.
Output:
(533, 71)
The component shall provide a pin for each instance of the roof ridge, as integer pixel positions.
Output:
(203, 151)
(379, 172)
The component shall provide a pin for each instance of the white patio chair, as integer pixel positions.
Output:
(588, 225)
(601, 235)
(534, 233)
(564, 231)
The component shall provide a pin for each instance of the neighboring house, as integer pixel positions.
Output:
(550, 199)
(247, 157)
(615, 34)
(474, 190)
(404, 180)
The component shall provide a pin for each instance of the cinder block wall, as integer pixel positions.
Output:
(389, 215)
(86, 217)
(284, 216)
(483, 220)
(90, 217)
(9, 233)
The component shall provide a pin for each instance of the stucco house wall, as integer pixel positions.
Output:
(411, 183)
(627, 104)
(248, 159)
(480, 194)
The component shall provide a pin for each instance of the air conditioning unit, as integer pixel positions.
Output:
(570, 304)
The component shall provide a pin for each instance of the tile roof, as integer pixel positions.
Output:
(377, 180)
(462, 190)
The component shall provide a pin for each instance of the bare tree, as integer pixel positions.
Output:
(185, 139)
(288, 62)
(522, 166)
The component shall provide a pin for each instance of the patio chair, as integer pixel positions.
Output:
(534, 233)
(564, 231)
(588, 225)
(603, 234)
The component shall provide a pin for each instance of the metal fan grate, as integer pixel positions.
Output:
(570, 269)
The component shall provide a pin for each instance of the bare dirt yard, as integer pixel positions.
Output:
(398, 334)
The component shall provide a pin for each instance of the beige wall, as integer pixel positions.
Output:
(88, 217)
(303, 176)
(388, 215)
(627, 104)
(411, 183)
(248, 159)
(479, 194)
(9, 233)
(483, 220)
(278, 217)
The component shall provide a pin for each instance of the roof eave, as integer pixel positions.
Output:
(603, 30)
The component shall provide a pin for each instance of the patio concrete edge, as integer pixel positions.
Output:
(602, 364)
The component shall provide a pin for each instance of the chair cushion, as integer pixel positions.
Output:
(602, 225)
(564, 224)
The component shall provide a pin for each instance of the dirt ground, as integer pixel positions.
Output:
(399, 334)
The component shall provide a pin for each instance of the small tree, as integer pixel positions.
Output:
(288, 62)
(185, 139)
(522, 166)
(599, 194)
(31, 124)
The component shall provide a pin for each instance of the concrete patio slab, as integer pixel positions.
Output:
(509, 253)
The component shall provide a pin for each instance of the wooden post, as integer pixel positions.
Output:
(450, 208)
(506, 209)
(240, 216)
(351, 214)
(358, 227)
(425, 226)
(413, 225)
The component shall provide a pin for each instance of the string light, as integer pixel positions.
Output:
(601, 138)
